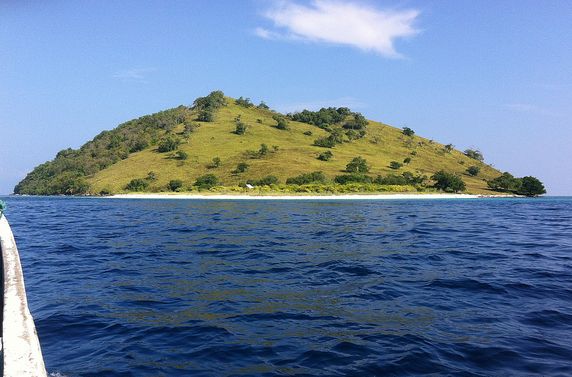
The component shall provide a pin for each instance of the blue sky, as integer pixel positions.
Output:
(494, 75)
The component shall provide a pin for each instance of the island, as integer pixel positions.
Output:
(221, 146)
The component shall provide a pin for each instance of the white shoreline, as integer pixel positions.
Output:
(303, 197)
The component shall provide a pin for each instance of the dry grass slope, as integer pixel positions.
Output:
(296, 154)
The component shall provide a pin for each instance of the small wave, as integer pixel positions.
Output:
(466, 284)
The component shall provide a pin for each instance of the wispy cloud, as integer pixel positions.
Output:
(350, 102)
(344, 23)
(134, 74)
(531, 109)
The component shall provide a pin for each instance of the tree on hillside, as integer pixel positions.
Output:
(175, 185)
(211, 102)
(449, 148)
(408, 131)
(181, 155)
(357, 122)
(244, 102)
(137, 184)
(473, 170)
(205, 182)
(357, 165)
(240, 128)
(241, 168)
(168, 144)
(395, 165)
(281, 122)
(505, 182)
(448, 182)
(474, 154)
(205, 116)
(263, 151)
(263, 106)
(325, 156)
(531, 186)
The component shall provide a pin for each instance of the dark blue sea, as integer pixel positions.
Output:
(477, 287)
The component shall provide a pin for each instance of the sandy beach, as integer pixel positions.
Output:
(299, 197)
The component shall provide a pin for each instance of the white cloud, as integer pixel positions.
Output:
(134, 74)
(345, 23)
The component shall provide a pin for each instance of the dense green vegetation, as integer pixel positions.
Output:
(304, 179)
(67, 173)
(219, 144)
(448, 182)
(528, 186)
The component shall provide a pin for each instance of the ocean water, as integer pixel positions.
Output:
(284, 288)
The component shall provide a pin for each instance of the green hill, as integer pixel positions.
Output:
(156, 151)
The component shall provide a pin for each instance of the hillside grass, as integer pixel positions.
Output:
(296, 154)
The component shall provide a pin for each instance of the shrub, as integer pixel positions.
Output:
(448, 182)
(151, 176)
(205, 116)
(531, 186)
(263, 106)
(395, 165)
(352, 178)
(281, 122)
(137, 184)
(181, 155)
(241, 167)
(413, 153)
(138, 145)
(308, 133)
(206, 181)
(474, 154)
(354, 135)
(407, 160)
(215, 163)
(304, 179)
(408, 131)
(357, 165)
(168, 144)
(325, 156)
(473, 170)
(175, 185)
(240, 128)
(266, 181)
(190, 128)
(263, 151)
(325, 142)
(448, 148)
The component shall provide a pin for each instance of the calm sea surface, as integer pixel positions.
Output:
(265, 288)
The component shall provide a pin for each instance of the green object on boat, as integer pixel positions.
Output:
(2, 208)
